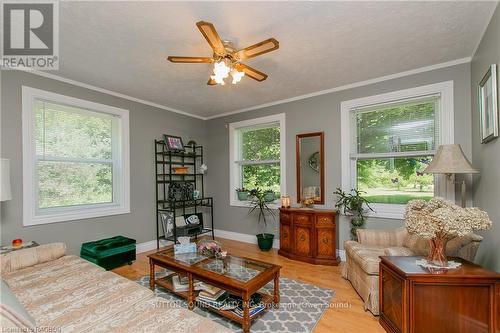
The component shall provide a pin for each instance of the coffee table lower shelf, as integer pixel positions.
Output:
(267, 300)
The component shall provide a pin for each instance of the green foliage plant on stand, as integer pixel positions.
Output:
(260, 204)
(354, 204)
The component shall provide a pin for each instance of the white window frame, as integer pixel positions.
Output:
(121, 163)
(442, 186)
(234, 153)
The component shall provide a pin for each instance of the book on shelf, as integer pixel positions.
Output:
(182, 283)
(217, 303)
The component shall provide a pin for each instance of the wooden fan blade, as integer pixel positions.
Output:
(190, 60)
(255, 50)
(251, 72)
(211, 82)
(212, 37)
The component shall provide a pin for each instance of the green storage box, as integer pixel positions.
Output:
(109, 253)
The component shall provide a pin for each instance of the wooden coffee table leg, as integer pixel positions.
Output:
(246, 313)
(276, 299)
(151, 274)
(190, 292)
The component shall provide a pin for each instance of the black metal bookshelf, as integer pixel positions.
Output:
(165, 162)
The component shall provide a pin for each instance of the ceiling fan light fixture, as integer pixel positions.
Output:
(237, 76)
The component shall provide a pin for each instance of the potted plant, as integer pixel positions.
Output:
(242, 194)
(353, 203)
(259, 203)
(269, 195)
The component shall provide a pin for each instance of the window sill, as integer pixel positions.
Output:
(74, 215)
(248, 204)
(387, 211)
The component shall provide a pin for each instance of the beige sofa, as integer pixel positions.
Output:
(362, 257)
(64, 293)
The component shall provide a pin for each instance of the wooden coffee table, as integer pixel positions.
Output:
(240, 276)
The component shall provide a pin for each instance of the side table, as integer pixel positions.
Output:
(413, 299)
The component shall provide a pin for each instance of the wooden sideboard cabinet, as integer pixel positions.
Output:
(309, 235)
(413, 299)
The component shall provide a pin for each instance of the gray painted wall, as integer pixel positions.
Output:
(486, 157)
(322, 113)
(146, 124)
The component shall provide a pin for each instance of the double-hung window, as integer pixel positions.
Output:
(389, 141)
(75, 158)
(257, 156)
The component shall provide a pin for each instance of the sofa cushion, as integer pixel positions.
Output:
(28, 257)
(418, 245)
(13, 314)
(398, 251)
(366, 256)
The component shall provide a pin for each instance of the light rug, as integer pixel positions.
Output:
(301, 307)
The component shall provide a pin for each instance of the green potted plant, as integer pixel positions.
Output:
(269, 195)
(242, 194)
(353, 203)
(259, 203)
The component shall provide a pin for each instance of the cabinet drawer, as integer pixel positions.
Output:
(325, 220)
(303, 219)
(285, 217)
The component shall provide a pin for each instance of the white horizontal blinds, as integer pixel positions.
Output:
(74, 155)
(399, 129)
(259, 144)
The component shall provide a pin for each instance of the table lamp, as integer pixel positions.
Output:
(450, 160)
(5, 193)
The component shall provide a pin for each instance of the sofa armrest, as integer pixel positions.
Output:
(464, 247)
(15, 260)
(381, 237)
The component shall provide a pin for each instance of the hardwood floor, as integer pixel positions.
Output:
(346, 313)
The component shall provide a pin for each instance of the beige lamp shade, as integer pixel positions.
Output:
(5, 193)
(450, 159)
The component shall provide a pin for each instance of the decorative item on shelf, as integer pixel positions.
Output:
(5, 191)
(191, 143)
(180, 191)
(440, 220)
(488, 105)
(167, 221)
(450, 160)
(195, 218)
(196, 194)
(202, 169)
(180, 170)
(285, 201)
(242, 193)
(209, 248)
(173, 143)
(259, 203)
(353, 203)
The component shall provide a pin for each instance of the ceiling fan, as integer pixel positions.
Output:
(226, 58)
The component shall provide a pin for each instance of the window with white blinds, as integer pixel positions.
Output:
(389, 141)
(77, 158)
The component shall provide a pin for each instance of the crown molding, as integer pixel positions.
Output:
(108, 92)
(255, 107)
(349, 86)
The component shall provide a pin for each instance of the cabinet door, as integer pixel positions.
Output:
(325, 240)
(285, 237)
(391, 305)
(303, 241)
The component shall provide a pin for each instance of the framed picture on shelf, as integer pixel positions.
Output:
(488, 105)
(173, 143)
(193, 219)
(167, 221)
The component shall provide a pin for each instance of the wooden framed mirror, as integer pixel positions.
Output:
(310, 167)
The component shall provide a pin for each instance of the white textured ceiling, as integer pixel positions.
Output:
(121, 46)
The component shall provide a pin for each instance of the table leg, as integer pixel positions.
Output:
(246, 313)
(151, 274)
(190, 292)
(276, 299)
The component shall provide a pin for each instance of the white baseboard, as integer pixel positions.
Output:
(150, 245)
(242, 237)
